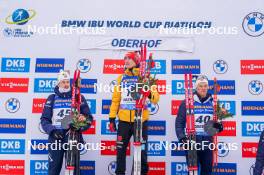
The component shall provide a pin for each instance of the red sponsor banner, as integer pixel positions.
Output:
(249, 149)
(175, 104)
(38, 105)
(14, 84)
(110, 148)
(92, 129)
(252, 66)
(157, 168)
(14, 167)
(114, 66)
(229, 129)
(161, 87)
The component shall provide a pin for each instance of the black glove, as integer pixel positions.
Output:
(57, 134)
(219, 126)
(112, 125)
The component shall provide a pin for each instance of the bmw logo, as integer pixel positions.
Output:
(222, 149)
(253, 24)
(255, 87)
(112, 167)
(84, 65)
(12, 105)
(153, 109)
(220, 67)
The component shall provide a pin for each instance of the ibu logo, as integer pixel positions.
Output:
(15, 64)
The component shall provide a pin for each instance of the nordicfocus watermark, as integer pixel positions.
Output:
(162, 145)
(59, 145)
(57, 30)
(126, 87)
(221, 30)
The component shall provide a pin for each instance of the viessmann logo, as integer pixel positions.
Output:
(14, 84)
(249, 149)
(14, 167)
(175, 104)
(38, 105)
(252, 66)
(113, 66)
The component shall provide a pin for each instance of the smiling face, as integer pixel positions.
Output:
(129, 63)
(202, 89)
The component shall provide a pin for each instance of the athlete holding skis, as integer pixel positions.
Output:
(124, 105)
(58, 105)
(203, 111)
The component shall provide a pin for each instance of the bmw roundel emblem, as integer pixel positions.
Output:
(253, 24)
(84, 65)
(255, 87)
(12, 105)
(112, 167)
(223, 149)
(220, 67)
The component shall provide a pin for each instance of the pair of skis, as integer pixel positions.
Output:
(144, 75)
(72, 156)
(215, 119)
(190, 125)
